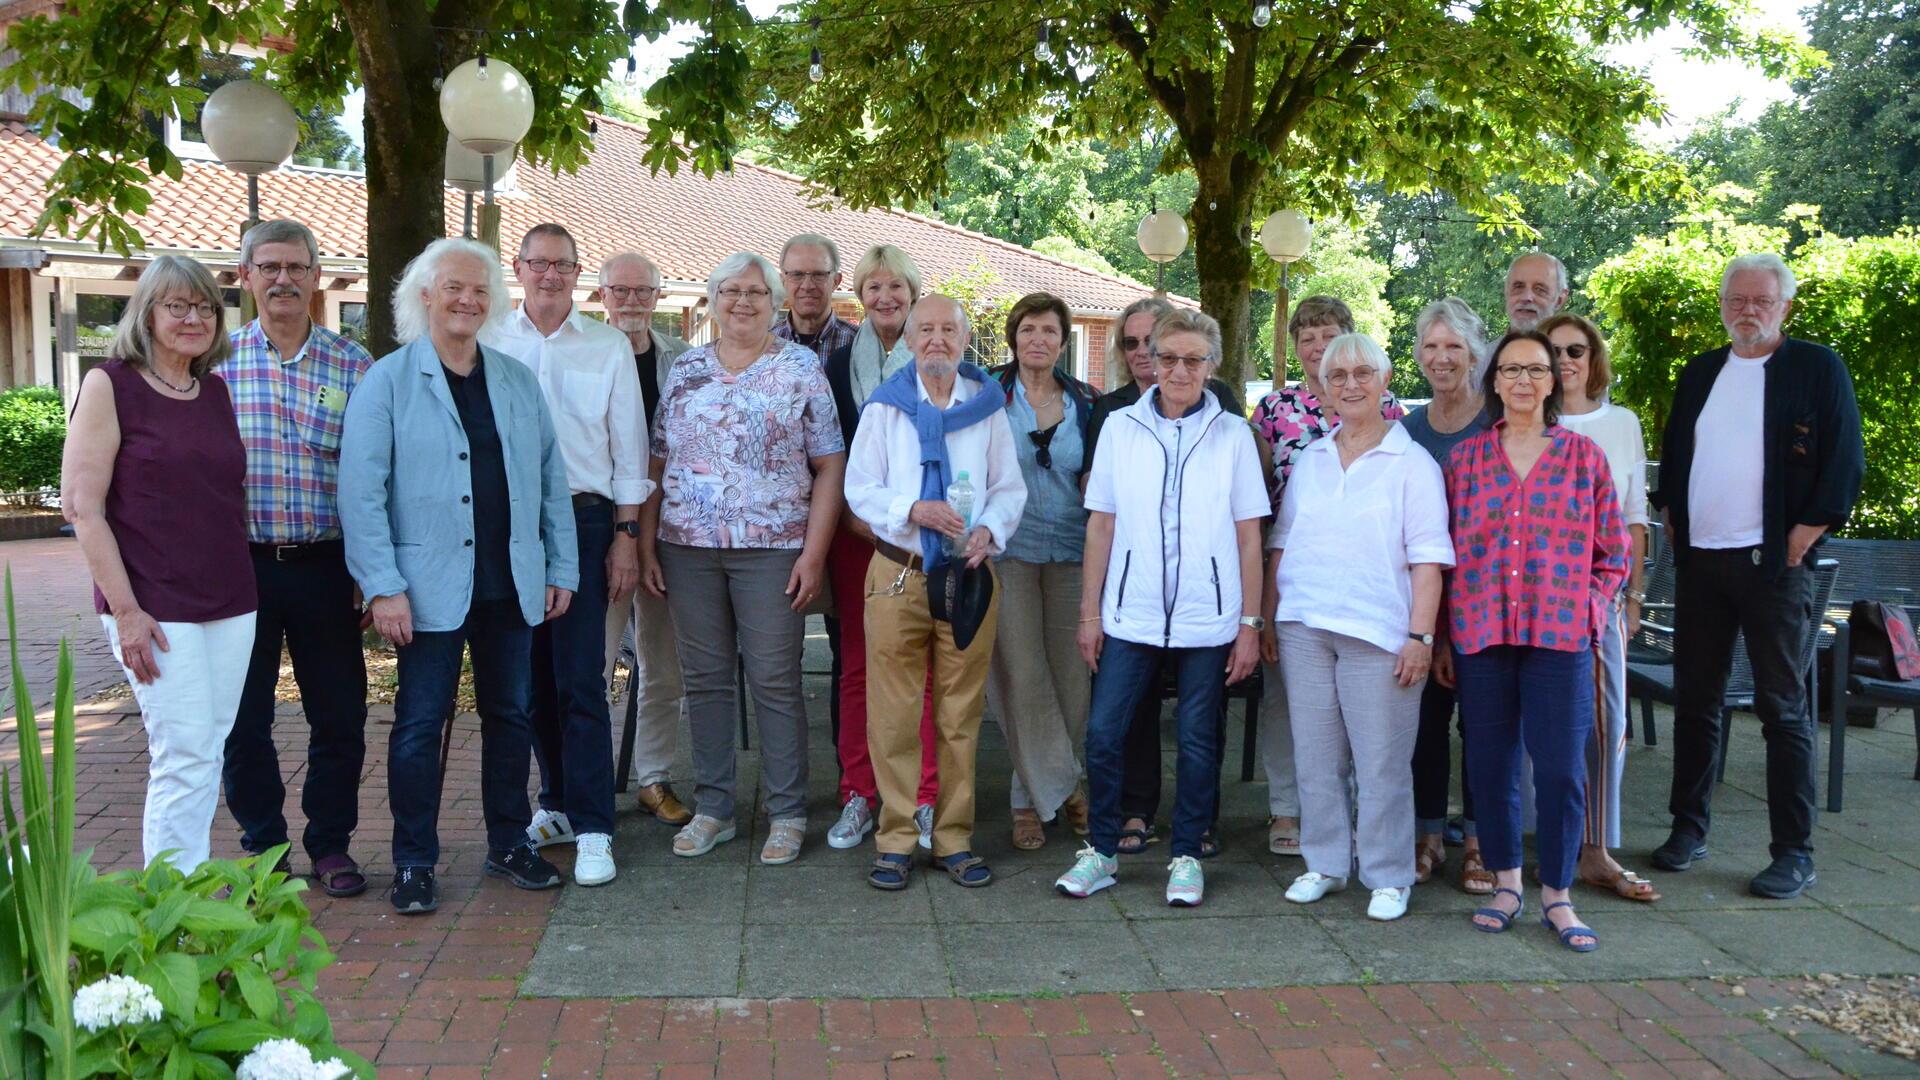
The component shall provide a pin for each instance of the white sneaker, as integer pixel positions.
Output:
(1185, 882)
(923, 817)
(856, 821)
(593, 859)
(1091, 872)
(1309, 887)
(550, 827)
(1388, 904)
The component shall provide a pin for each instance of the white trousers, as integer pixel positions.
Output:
(662, 694)
(1276, 744)
(188, 712)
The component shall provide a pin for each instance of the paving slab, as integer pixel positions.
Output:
(1033, 958)
(797, 895)
(1262, 951)
(841, 961)
(1798, 941)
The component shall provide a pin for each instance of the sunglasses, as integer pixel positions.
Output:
(1577, 352)
(1043, 445)
(1128, 344)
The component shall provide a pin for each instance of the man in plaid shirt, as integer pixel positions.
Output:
(290, 379)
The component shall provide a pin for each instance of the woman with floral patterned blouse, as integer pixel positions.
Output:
(1287, 421)
(1542, 555)
(749, 461)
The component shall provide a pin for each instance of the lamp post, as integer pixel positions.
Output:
(1286, 235)
(467, 172)
(487, 107)
(252, 130)
(1162, 236)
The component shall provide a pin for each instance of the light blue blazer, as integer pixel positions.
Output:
(405, 488)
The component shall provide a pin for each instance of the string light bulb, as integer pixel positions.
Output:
(1043, 49)
(633, 71)
(816, 65)
(1016, 213)
(1262, 12)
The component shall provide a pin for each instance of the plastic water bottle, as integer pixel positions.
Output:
(960, 497)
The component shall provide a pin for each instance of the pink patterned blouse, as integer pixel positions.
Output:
(1540, 560)
(1289, 419)
(736, 448)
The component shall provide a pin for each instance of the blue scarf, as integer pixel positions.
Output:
(932, 423)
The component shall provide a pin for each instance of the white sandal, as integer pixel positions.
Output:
(784, 838)
(701, 835)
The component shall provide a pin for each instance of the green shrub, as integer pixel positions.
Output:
(1659, 305)
(33, 429)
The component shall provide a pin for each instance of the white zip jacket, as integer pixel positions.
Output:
(1176, 489)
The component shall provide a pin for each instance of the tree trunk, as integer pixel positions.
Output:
(1222, 253)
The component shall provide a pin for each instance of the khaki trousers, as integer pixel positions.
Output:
(904, 643)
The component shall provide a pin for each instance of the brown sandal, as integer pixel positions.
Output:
(1428, 856)
(1075, 810)
(1475, 878)
(1626, 884)
(1027, 833)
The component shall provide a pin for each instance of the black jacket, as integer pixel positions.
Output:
(1109, 403)
(1814, 460)
(841, 381)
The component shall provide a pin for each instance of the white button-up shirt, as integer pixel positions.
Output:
(884, 471)
(586, 373)
(1350, 538)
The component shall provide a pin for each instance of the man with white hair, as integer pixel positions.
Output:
(630, 290)
(1762, 457)
(810, 271)
(1536, 288)
(927, 424)
(586, 373)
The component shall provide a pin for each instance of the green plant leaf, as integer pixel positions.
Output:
(179, 1063)
(310, 1022)
(101, 927)
(234, 1036)
(214, 916)
(164, 917)
(257, 989)
(211, 1067)
(175, 980)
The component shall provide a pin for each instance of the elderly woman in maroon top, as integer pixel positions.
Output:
(153, 482)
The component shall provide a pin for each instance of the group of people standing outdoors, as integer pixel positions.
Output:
(535, 487)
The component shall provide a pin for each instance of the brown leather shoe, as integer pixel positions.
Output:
(658, 800)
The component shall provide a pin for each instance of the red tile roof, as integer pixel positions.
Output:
(685, 223)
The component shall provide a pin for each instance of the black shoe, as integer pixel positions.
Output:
(1680, 851)
(412, 892)
(1787, 877)
(1454, 834)
(524, 867)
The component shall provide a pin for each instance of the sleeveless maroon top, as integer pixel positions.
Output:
(177, 504)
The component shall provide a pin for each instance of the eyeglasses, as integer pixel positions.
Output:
(734, 295)
(294, 271)
(1573, 352)
(541, 266)
(1043, 445)
(637, 292)
(805, 277)
(1360, 376)
(1535, 372)
(1757, 303)
(179, 308)
(1128, 344)
(1193, 364)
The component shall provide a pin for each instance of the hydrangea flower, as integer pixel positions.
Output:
(286, 1059)
(114, 1000)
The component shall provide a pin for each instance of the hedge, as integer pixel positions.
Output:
(33, 429)
(1659, 305)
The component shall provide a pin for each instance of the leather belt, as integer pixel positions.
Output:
(587, 499)
(899, 555)
(319, 549)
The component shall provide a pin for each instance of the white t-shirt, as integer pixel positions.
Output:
(1350, 536)
(1617, 431)
(1724, 505)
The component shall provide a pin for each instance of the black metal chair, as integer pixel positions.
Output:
(1247, 691)
(1849, 691)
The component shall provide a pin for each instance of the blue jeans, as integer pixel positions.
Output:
(1514, 696)
(572, 729)
(1129, 672)
(502, 644)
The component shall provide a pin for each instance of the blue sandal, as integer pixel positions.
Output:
(890, 872)
(1506, 920)
(966, 869)
(1571, 932)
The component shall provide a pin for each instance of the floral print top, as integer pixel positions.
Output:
(1289, 419)
(1540, 560)
(736, 448)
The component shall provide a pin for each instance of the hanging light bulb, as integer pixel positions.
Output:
(633, 71)
(1016, 213)
(1042, 49)
(483, 65)
(1262, 12)
(816, 68)
(593, 126)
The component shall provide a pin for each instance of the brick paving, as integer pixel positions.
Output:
(439, 996)
(53, 598)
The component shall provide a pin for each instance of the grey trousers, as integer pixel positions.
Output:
(730, 604)
(1351, 717)
(1038, 685)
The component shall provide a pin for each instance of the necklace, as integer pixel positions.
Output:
(757, 353)
(192, 380)
(1036, 404)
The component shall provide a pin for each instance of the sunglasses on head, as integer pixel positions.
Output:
(1043, 445)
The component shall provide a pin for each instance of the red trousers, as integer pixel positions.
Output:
(847, 563)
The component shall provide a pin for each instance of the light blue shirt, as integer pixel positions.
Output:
(1053, 528)
(406, 488)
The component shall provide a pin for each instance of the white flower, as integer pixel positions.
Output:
(113, 1001)
(285, 1059)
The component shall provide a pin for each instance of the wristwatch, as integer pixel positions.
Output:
(631, 528)
(1424, 639)
(1254, 621)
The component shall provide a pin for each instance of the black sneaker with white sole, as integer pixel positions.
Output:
(1787, 877)
(523, 866)
(412, 892)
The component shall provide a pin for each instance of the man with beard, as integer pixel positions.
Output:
(630, 289)
(290, 379)
(1536, 288)
(810, 271)
(1762, 457)
(586, 373)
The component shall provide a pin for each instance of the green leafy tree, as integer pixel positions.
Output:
(1408, 93)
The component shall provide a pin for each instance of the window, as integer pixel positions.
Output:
(96, 317)
(353, 321)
